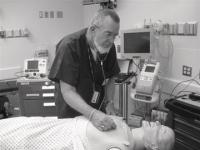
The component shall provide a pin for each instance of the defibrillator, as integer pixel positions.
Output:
(147, 78)
(147, 83)
(35, 67)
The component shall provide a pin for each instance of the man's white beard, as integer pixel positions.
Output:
(101, 49)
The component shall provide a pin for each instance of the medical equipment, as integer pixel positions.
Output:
(122, 80)
(147, 83)
(146, 90)
(35, 68)
(136, 42)
(147, 79)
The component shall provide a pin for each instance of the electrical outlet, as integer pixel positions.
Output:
(187, 71)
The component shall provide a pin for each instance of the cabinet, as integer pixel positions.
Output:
(186, 124)
(187, 133)
(37, 97)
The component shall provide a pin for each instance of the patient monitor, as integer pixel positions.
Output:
(35, 67)
(147, 81)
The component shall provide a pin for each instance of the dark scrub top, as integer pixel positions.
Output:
(72, 64)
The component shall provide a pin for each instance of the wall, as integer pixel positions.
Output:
(172, 52)
(45, 32)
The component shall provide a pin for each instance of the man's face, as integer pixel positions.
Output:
(104, 35)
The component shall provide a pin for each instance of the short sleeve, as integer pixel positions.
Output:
(65, 65)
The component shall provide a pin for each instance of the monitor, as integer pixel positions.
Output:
(35, 67)
(135, 42)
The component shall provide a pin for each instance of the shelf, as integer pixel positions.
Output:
(15, 33)
(89, 2)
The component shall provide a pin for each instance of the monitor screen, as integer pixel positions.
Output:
(33, 64)
(149, 69)
(136, 42)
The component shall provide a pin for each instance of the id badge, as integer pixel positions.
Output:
(95, 97)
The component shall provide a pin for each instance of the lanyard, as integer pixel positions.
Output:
(91, 68)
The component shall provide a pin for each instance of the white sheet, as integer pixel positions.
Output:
(39, 133)
(50, 133)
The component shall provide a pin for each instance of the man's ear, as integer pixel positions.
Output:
(93, 28)
(92, 31)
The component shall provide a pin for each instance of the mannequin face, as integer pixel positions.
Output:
(104, 35)
(164, 136)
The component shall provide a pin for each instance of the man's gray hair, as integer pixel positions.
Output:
(100, 16)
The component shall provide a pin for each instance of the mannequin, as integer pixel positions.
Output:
(163, 140)
(152, 136)
(38, 133)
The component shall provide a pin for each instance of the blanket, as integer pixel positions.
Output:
(50, 133)
(39, 133)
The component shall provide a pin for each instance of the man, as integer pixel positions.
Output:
(85, 66)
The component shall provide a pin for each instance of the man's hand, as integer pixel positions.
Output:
(151, 131)
(102, 121)
(111, 110)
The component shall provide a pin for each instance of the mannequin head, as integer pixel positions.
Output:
(165, 137)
